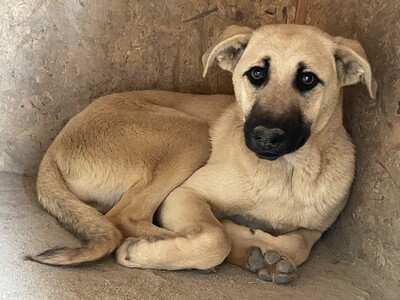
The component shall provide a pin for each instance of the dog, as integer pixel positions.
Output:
(179, 181)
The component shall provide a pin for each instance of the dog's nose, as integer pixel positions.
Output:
(268, 138)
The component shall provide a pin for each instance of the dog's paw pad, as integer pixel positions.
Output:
(271, 266)
(272, 257)
(283, 278)
(263, 274)
(285, 266)
(255, 260)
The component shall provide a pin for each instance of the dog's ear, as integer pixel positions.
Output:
(352, 65)
(228, 48)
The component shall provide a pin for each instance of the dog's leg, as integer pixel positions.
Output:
(273, 258)
(202, 242)
(134, 212)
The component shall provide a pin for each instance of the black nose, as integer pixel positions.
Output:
(268, 139)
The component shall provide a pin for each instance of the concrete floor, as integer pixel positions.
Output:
(26, 229)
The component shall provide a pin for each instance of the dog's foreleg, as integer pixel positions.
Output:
(202, 242)
(273, 258)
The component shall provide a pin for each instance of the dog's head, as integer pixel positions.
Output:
(287, 80)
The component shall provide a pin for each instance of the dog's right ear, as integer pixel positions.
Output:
(352, 65)
(228, 48)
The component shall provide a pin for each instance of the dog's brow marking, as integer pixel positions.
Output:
(263, 63)
(265, 59)
(301, 67)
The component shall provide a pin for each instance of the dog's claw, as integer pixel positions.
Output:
(207, 271)
(155, 238)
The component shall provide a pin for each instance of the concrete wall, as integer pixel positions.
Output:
(369, 230)
(57, 55)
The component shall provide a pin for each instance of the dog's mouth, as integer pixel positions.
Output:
(270, 155)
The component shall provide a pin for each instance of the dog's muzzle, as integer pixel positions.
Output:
(270, 137)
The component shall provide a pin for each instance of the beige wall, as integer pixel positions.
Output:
(369, 230)
(57, 55)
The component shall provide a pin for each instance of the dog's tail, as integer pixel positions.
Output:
(100, 236)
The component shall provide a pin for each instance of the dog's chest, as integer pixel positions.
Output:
(266, 201)
(274, 202)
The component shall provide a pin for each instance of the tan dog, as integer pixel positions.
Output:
(278, 175)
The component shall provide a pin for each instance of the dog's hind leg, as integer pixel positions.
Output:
(133, 214)
(202, 242)
(273, 258)
(177, 156)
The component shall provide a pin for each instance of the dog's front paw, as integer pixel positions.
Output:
(132, 253)
(125, 253)
(271, 266)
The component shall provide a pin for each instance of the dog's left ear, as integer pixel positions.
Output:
(352, 65)
(228, 48)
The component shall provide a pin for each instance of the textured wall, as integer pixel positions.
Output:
(369, 230)
(57, 55)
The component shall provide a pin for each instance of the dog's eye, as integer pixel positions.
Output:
(306, 81)
(257, 75)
